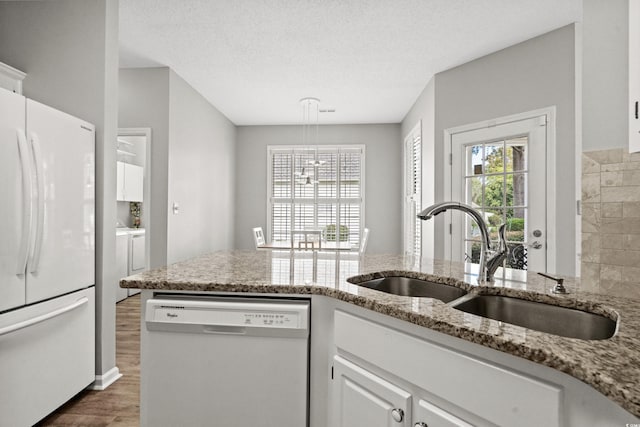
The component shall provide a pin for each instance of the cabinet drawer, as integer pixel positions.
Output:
(489, 391)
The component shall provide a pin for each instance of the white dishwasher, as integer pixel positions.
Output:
(225, 361)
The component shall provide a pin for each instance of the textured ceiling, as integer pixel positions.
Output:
(254, 59)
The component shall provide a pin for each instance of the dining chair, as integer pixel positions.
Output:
(258, 237)
(363, 241)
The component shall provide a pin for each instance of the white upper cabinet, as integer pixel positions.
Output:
(130, 179)
(120, 181)
(634, 76)
(133, 178)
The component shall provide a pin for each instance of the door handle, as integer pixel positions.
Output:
(37, 157)
(27, 201)
(535, 245)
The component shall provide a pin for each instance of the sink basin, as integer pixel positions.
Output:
(552, 319)
(405, 286)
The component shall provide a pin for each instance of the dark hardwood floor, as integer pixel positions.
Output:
(119, 404)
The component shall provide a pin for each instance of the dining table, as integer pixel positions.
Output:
(328, 246)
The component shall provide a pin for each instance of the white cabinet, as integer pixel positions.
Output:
(364, 399)
(120, 181)
(634, 76)
(428, 414)
(130, 257)
(459, 386)
(137, 255)
(122, 262)
(11, 79)
(130, 179)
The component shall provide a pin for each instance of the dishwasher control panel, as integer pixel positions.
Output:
(271, 319)
(234, 313)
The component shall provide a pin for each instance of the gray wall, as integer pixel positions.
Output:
(605, 74)
(537, 73)
(144, 102)
(423, 111)
(383, 192)
(200, 174)
(69, 50)
(192, 158)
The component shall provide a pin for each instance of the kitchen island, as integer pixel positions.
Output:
(611, 366)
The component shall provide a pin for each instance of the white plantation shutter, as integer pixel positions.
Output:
(413, 192)
(335, 200)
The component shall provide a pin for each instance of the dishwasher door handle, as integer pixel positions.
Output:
(224, 330)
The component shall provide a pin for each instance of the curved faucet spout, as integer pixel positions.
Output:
(487, 267)
(438, 208)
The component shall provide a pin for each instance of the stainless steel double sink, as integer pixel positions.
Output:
(539, 316)
(409, 287)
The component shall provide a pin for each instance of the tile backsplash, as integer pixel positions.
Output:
(611, 222)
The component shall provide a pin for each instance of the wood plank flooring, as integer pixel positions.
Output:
(119, 404)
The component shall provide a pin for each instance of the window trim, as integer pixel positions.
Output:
(270, 200)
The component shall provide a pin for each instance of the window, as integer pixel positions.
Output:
(316, 189)
(413, 196)
(495, 184)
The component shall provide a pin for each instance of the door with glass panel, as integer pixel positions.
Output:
(501, 172)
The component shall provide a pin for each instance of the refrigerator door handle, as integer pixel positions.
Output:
(37, 246)
(38, 319)
(27, 201)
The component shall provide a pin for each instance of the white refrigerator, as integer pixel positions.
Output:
(47, 258)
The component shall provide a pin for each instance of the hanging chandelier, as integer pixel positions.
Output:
(310, 126)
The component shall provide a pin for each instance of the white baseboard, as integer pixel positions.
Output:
(104, 381)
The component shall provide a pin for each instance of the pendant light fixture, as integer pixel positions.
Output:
(310, 126)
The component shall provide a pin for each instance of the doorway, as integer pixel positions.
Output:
(503, 169)
(133, 204)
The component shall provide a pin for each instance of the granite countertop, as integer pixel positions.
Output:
(611, 366)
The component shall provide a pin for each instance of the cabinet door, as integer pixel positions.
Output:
(430, 415)
(362, 399)
(122, 263)
(120, 181)
(634, 76)
(133, 182)
(137, 253)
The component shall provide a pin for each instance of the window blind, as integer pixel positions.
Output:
(316, 188)
(413, 193)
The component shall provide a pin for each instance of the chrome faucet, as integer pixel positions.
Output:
(487, 266)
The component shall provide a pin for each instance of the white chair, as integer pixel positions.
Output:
(258, 237)
(363, 241)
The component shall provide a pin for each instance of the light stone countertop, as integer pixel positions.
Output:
(610, 366)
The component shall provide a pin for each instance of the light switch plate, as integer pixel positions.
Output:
(176, 208)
